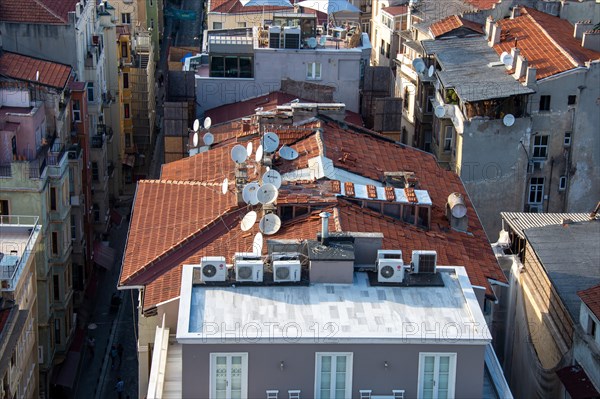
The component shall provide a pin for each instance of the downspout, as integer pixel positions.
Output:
(550, 185)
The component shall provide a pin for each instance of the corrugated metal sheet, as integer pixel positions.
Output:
(519, 221)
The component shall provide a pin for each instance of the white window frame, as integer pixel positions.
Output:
(536, 188)
(76, 111)
(349, 362)
(126, 18)
(562, 183)
(448, 141)
(540, 146)
(451, 374)
(213, 383)
(311, 71)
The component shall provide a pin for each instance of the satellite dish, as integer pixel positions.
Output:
(208, 138)
(272, 177)
(431, 71)
(267, 194)
(238, 153)
(195, 139)
(225, 186)
(506, 59)
(419, 65)
(259, 154)
(508, 120)
(269, 224)
(270, 142)
(196, 125)
(257, 244)
(439, 111)
(249, 193)
(249, 149)
(312, 42)
(288, 153)
(207, 123)
(248, 221)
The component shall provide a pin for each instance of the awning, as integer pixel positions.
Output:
(68, 371)
(104, 255)
(129, 160)
(577, 383)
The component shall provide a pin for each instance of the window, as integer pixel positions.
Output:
(96, 212)
(73, 228)
(562, 183)
(387, 50)
(4, 212)
(125, 80)
(52, 198)
(228, 375)
(124, 50)
(127, 140)
(382, 47)
(592, 328)
(57, 331)
(217, 25)
(448, 137)
(56, 286)
(125, 18)
(536, 190)
(241, 24)
(437, 373)
(13, 143)
(567, 141)
(95, 175)
(333, 375)
(544, 103)
(126, 113)
(90, 91)
(540, 146)
(571, 100)
(429, 104)
(76, 111)
(55, 243)
(313, 70)
(152, 23)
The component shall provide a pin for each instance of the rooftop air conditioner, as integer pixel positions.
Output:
(213, 268)
(274, 36)
(248, 267)
(390, 267)
(286, 267)
(291, 37)
(424, 261)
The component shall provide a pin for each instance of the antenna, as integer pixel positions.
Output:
(249, 149)
(208, 138)
(508, 120)
(225, 186)
(439, 111)
(196, 125)
(288, 153)
(431, 71)
(267, 194)
(270, 142)
(37, 76)
(195, 139)
(248, 221)
(259, 154)
(269, 224)
(238, 154)
(257, 244)
(249, 193)
(506, 59)
(207, 122)
(272, 177)
(419, 65)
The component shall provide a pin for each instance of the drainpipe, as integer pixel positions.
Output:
(550, 184)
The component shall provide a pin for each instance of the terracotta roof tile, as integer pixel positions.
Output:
(235, 7)
(546, 42)
(396, 10)
(451, 23)
(21, 67)
(591, 298)
(483, 4)
(53, 12)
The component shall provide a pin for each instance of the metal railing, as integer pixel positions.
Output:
(11, 272)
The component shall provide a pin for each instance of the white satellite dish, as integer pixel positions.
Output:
(248, 221)
(207, 123)
(272, 177)
(439, 111)
(238, 153)
(508, 120)
(249, 149)
(419, 65)
(225, 186)
(259, 154)
(267, 194)
(249, 193)
(195, 139)
(506, 59)
(270, 142)
(208, 138)
(431, 71)
(288, 153)
(196, 125)
(269, 224)
(257, 244)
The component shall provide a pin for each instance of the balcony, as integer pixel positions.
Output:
(98, 141)
(57, 160)
(18, 236)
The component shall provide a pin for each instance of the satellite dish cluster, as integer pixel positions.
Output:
(421, 68)
(208, 137)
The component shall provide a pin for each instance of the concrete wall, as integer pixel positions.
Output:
(579, 11)
(586, 349)
(299, 368)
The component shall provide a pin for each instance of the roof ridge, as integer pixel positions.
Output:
(47, 8)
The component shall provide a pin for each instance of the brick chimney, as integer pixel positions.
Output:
(591, 40)
(581, 27)
(494, 35)
(520, 68)
(516, 12)
(530, 77)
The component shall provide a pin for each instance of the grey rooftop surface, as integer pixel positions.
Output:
(323, 313)
(519, 221)
(570, 255)
(465, 67)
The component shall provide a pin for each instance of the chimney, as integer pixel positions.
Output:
(488, 27)
(324, 226)
(516, 12)
(591, 40)
(530, 78)
(581, 27)
(494, 35)
(514, 53)
(520, 68)
(456, 212)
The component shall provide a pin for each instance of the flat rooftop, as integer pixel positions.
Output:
(352, 313)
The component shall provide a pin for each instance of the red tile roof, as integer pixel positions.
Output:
(546, 42)
(396, 10)
(451, 23)
(591, 298)
(235, 7)
(483, 4)
(53, 12)
(21, 67)
(175, 222)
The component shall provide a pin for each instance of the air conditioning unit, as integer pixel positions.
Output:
(291, 37)
(286, 267)
(274, 36)
(248, 267)
(213, 268)
(390, 267)
(424, 261)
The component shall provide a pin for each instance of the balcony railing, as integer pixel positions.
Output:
(10, 271)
